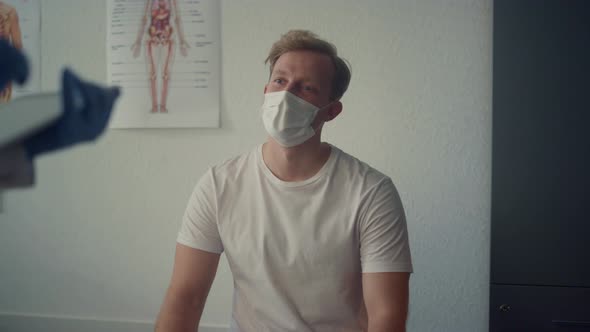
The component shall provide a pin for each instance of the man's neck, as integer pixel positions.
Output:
(297, 163)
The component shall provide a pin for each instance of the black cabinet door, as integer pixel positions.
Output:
(541, 143)
(539, 309)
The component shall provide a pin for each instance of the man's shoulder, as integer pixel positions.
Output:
(356, 169)
(235, 165)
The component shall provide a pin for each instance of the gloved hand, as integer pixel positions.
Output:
(87, 109)
(13, 64)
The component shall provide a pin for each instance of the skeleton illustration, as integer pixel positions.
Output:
(9, 30)
(160, 39)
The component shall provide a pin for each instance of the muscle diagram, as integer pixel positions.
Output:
(9, 30)
(160, 39)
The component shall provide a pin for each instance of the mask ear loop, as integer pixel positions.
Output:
(323, 107)
(319, 110)
(326, 106)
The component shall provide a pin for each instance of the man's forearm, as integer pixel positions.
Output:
(386, 324)
(175, 322)
(178, 315)
(386, 328)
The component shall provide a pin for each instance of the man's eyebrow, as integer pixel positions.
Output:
(279, 71)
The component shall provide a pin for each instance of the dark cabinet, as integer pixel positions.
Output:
(539, 308)
(540, 241)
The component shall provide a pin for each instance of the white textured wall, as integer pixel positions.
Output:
(95, 238)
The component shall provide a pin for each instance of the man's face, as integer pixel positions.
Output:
(306, 74)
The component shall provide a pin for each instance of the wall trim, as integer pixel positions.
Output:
(23, 322)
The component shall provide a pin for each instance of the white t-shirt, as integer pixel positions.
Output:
(297, 249)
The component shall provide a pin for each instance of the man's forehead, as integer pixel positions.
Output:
(313, 62)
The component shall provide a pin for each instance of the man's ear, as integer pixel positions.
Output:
(333, 111)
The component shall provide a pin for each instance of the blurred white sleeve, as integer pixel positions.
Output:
(15, 168)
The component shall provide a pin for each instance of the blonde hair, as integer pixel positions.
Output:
(295, 40)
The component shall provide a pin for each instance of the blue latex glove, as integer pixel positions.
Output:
(13, 64)
(87, 109)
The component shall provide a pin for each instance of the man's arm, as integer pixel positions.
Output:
(192, 276)
(386, 297)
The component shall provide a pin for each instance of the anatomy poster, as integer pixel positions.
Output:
(165, 54)
(20, 25)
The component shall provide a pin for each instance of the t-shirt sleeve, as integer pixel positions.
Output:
(199, 224)
(16, 170)
(384, 245)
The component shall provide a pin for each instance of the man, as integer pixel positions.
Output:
(316, 240)
(86, 111)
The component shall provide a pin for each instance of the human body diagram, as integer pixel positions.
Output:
(160, 40)
(10, 31)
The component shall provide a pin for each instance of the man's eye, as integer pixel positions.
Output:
(278, 80)
(308, 88)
